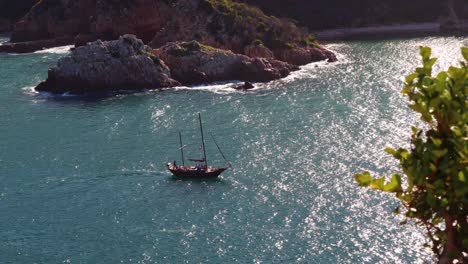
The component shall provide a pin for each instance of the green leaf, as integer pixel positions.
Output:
(394, 185)
(456, 130)
(436, 141)
(431, 200)
(427, 81)
(439, 153)
(442, 76)
(378, 184)
(429, 63)
(363, 179)
(425, 52)
(461, 176)
(444, 202)
(390, 151)
(465, 52)
(411, 77)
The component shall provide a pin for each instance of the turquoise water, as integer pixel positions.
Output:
(82, 180)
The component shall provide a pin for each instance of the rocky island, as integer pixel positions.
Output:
(187, 42)
(128, 64)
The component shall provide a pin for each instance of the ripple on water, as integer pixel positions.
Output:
(80, 175)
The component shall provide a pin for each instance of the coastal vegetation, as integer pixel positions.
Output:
(221, 24)
(435, 190)
(252, 25)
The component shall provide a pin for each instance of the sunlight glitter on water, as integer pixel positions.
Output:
(94, 169)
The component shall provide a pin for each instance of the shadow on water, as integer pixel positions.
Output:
(96, 97)
(92, 96)
(142, 94)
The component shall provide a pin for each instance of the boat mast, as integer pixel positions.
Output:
(181, 148)
(203, 140)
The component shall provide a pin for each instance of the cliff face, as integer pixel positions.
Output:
(145, 16)
(219, 23)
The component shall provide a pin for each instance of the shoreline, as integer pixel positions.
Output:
(387, 32)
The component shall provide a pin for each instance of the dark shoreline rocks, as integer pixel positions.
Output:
(303, 56)
(245, 86)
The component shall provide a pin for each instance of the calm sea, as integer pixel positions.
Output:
(83, 180)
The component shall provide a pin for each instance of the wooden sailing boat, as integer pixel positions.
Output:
(201, 170)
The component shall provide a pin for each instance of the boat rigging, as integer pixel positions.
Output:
(201, 170)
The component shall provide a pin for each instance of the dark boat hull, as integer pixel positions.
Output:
(191, 172)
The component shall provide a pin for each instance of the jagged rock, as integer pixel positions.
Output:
(193, 63)
(258, 51)
(99, 66)
(245, 86)
(302, 56)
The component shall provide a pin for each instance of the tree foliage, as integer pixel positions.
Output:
(435, 193)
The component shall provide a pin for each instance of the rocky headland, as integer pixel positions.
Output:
(194, 63)
(128, 64)
(187, 42)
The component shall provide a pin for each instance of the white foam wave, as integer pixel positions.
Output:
(29, 90)
(56, 50)
(217, 88)
(341, 57)
(310, 70)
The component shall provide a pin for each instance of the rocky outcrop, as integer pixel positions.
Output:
(258, 51)
(128, 64)
(302, 56)
(99, 66)
(245, 86)
(193, 63)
